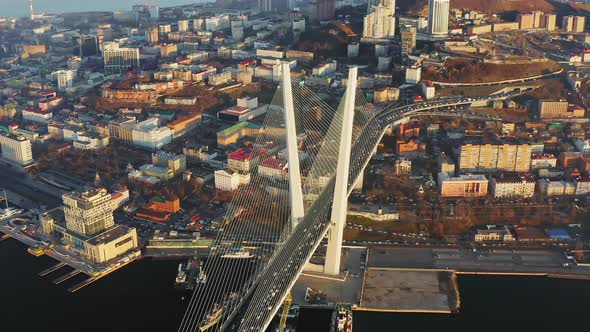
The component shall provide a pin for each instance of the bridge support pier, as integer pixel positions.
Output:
(295, 189)
(340, 202)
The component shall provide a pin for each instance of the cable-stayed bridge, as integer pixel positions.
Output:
(298, 175)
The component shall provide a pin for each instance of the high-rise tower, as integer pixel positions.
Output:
(438, 18)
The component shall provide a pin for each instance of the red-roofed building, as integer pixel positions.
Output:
(409, 130)
(36, 115)
(273, 167)
(543, 160)
(182, 125)
(50, 103)
(243, 159)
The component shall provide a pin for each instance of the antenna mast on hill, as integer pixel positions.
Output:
(31, 12)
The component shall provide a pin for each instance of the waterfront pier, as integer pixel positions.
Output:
(52, 269)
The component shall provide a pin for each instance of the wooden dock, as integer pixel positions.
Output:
(66, 277)
(52, 269)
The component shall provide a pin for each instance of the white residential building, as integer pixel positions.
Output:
(150, 134)
(379, 23)
(521, 186)
(16, 148)
(64, 79)
(229, 180)
(413, 74)
(582, 146)
(556, 188)
(438, 18)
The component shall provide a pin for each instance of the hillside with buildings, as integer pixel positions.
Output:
(420, 7)
(458, 70)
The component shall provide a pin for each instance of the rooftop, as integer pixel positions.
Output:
(111, 234)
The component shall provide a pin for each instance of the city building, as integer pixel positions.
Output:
(582, 145)
(537, 17)
(514, 185)
(273, 168)
(413, 74)
(495, 157)
(122, 129)
(152, 35)
(36, 115)
(462, 186)
(87, 45)
(379, 23)
(16, 148)
(496, 233)
(159, 209)
(549, 22)
(174, 162)
(150, 134)
(408, 40)
(243, 160)
(558, 109)
(229, 180)
(88, 212)
(582, 186)
(526, 21)
(567, 23)
(100, 248)
(569, 159)
(183, 25)
(410, 148)
(118, 59)
(438, 18)
(446, 164)
(322, 9)
(64, 78)
(579, 24)
(8, 110)
(232, 134)
(185, 124)
(556, 188)
(154, 12)
(402, 166)
(544, 160)
(428, 90)
(385, 94)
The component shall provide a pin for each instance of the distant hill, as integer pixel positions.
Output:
(420, 7)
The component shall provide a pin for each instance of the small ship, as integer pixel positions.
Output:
(342, 319)
(190, 274)
(214, 315)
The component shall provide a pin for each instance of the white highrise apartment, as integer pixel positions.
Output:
(64, 78)
(16, 148)
(438, 18)
(88, 212)
(380, 20)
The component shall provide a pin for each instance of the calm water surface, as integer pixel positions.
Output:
(141, 297)
(19, 8)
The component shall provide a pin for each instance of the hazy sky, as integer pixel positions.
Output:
(20, 8)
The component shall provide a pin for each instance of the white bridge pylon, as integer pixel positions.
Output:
(340, 201)
(295, 189)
